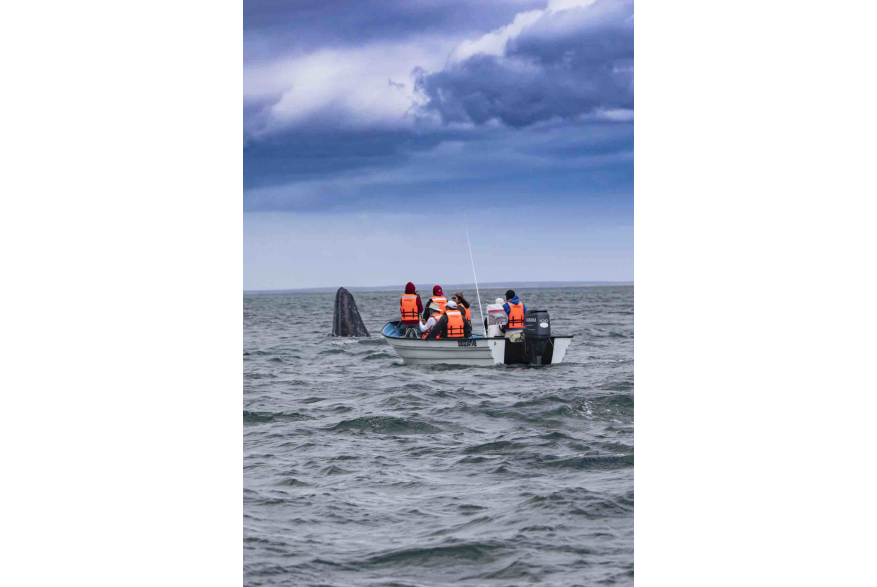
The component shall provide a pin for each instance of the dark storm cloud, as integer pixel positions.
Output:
(305, 154)
(403, 171)
(277, 26)
(567, 64)
(550, 90)
(257, 118)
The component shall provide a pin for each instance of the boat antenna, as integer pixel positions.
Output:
(480, 311)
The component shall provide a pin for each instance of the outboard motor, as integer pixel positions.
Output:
(537, 334)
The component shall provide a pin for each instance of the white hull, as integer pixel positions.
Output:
(434, 352)
(474, 352)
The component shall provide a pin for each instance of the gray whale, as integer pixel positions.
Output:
(347, 321)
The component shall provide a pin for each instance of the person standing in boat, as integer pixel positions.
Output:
(516, 309)
(438, 301)
(452, 324)
(411, 307)
(462, 304)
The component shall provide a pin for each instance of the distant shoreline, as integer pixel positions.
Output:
(448, 288)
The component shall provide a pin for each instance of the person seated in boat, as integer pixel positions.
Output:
(462, 304)
(438, 301)
(410, 307)
(516, 309)
(452, 324)
(426, 324)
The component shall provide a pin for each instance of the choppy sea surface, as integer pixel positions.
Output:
(360, 470)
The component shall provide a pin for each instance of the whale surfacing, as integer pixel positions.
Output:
(347, 321)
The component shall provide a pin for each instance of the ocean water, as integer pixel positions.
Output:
(360, 470)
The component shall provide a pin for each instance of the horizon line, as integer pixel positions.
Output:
(519, 284)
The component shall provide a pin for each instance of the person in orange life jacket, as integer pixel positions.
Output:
(462, 304)
(410, 307)
(426, 324)
(437, 301)
(516, 309)
(452, 324)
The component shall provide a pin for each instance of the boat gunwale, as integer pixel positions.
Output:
(475, 337)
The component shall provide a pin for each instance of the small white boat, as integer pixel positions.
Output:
(477, 350)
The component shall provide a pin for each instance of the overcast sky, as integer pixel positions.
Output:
(371, 127)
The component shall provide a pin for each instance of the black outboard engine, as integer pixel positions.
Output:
(537, 334)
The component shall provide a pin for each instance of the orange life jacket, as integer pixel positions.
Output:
(409, 307)
(516, 316)
(425, 334)
(468, 315)
(441, 302)
(455, 323)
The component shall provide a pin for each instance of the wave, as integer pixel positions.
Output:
(603, 462)
(293, 482)
(262, 417)
(579, 501)
(499, 447)
(441, 556)
(386, 425)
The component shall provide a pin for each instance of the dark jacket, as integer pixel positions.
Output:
(441, 327)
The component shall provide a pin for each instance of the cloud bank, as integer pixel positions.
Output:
(553, 64)
(568, 60)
